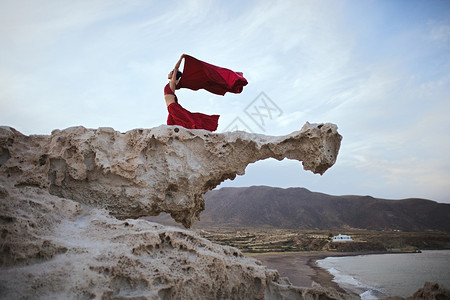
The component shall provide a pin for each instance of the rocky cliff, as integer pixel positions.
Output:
(70, 205)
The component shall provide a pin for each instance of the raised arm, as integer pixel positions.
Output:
(173, 80)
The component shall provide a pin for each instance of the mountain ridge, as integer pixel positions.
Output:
(299, 208)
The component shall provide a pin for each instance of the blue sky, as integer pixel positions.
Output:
(380, 70)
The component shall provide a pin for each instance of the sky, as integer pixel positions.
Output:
(379, 70)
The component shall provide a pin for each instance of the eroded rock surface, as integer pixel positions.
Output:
(56, 248)
(144, 172)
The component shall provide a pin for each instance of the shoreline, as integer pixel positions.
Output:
(301, 267)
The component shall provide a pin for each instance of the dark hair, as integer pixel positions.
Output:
(179, 73)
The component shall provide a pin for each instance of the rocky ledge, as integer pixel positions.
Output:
(144, 172)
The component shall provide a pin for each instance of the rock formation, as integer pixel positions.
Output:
(66, 201)
(144, 172)
(431, 291)
(56, 248)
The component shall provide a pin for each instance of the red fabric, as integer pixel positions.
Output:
(201, 75)
(168, 90)
(181, 116)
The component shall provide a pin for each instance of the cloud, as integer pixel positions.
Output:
(384, 81)
(38, 23)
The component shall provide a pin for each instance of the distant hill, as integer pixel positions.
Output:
(300, 208)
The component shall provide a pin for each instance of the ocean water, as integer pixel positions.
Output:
(381, 275)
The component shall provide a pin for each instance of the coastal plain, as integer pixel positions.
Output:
(294, 253)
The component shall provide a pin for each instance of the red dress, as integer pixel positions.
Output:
(197, 75)
(181, 116)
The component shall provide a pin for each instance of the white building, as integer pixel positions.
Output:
(342, 238)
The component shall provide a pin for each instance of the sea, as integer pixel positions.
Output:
(378, 276)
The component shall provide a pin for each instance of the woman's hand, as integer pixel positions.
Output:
(174, 73)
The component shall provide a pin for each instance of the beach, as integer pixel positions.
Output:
(301, 267)
(379, 276)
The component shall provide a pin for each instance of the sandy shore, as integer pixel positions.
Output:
(301, 267)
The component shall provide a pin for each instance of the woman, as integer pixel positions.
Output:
(177, 114)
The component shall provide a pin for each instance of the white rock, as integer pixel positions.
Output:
(144, 172)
